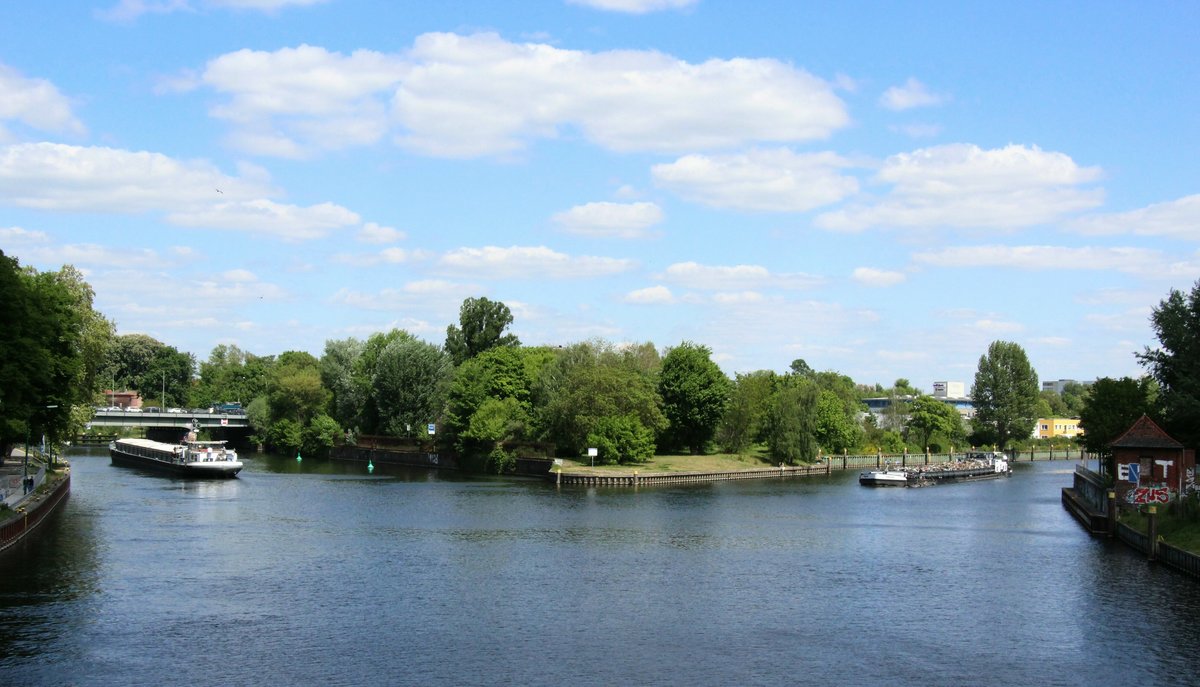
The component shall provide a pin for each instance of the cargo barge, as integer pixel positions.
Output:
(975, 466)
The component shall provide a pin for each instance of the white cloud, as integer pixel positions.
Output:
(965, 186)
(388, 256)
(290, 222)
(1179, 219)
(1145, 262)
(129, 10)
(733, 277)
(993, 327)
(466, 96)
(635, 6)
(651, 295)
(329, 100)
(35, 103)
(431, 294)
(617, 220)
(917, 130)
(374, 233)
(737, 297)
(529, 262)
(10, 236)
(776, 180)
(912, 94)
(51, 176)
(869, 276)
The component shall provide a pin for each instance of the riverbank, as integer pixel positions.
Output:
(50, 489)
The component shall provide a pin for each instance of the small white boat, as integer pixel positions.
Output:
(188, 459)
(883, 478)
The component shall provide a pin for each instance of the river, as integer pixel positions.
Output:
(319, 573)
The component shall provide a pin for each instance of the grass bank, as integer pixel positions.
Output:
(675, 463)
(1180, 531)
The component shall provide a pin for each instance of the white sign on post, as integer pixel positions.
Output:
(431, 428)
(592, 453)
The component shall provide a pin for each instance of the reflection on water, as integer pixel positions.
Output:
(312, 572)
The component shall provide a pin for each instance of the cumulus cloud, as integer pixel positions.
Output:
(1145, 262)
(193, 193)
(374, 233)
(776, 180)
(732, 277)
(869, 276)
(296, 100)
(1179, 219)
(912, 94)
(635, 6)
(35, 103)
(290, 222)
(617, 220)
(452, 95)
(965, 186)
(651, 295)
(529, 262)
(429, 294)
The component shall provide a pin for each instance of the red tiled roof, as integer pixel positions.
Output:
(1145, 434)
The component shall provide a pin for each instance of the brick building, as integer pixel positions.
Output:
(1152, 467)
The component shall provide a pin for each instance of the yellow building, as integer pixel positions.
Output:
(1054, 427)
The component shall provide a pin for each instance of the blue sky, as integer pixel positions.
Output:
(881, 189)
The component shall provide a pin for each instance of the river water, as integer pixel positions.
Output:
(318, 573)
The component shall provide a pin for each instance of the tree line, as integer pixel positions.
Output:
(491, 397)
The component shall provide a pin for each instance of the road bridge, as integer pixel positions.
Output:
(165, 420)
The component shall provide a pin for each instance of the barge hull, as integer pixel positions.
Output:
(179, 469)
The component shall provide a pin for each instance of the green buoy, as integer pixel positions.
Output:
(370, 466)
(298, 458)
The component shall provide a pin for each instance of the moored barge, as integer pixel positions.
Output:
(975, 466)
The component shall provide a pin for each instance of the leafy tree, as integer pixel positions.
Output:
(320, 435)
(694, 392)
(1110, 408)
(1073, 396)
(230, 374)
(1005, 395)
(482, 324)
(285, 435)
(495, 421)
(408, 387)
(834, 431)
(929, 417)
(1051, 404)
(791, 421)
(838, 412)
(51, 348)
(746, 412)
(801, 368)
(294, 389)
(621, 439)
(348, 391)
(1175, 364)
(586, 382)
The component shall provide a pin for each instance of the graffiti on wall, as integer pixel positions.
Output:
(1139, 496)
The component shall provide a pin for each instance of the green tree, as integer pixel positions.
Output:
(408, 387)
(1110, 408)
(791, 420)
(1005, 395)
(838, 412)
(1175, 364)
(621, 439)
(230, 375)
(51, 348)
(294, 390)
(1073, 396)
(929, 417)
(481, 326)
(348, 391)
(588, 381)
(1051, 404)
(745, 414)
(320, 435)
(694, 392)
